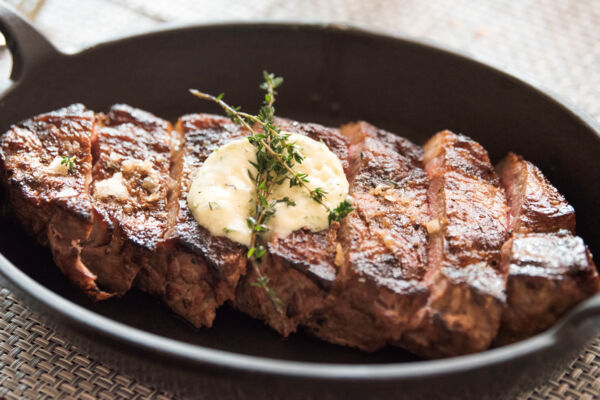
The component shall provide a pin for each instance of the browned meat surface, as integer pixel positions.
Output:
(192, 271)
(534, 204)
(419, 263)
(53, 203)
(548, 273)
(382, 248)
(468, 227)
(129, 190)
(300, 267)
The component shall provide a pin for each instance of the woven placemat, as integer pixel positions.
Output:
(553, 43)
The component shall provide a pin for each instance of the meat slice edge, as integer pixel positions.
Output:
(192, 271)
(534, 204)
(382, 247)
(467, 230)
(549, 274)
(50, 199)
(300, 267)
(129, 195)
(550, 270)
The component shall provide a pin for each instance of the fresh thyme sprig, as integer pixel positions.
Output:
(274, 142)
(69, 162)
(275, 161)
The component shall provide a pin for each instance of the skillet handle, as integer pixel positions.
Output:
(26, 44)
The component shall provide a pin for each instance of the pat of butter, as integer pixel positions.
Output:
(57, 167)
(222, 196)
(112, 187)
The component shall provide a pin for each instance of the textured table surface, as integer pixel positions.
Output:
(555, 44)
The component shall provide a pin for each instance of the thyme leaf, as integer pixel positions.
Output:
(340, 212)
(276, 158)
(69, 162)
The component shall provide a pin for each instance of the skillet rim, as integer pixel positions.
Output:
(192, 354)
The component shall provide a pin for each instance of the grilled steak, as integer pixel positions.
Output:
(534, 204)
(129, 193)
(192, 271)
(549, 274)
(420, 263)
(382, 248)
(50, 199)
(468, 227)
(550, 270)
(301, 266)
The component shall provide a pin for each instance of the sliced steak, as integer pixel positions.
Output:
(300, 267)
(467, 230)
(192, 271)
(549, 274)
(534, 204)
(51, 201)
(129, 195)
(550, 270)
(382, 250)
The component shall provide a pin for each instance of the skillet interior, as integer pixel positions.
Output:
(332, 75)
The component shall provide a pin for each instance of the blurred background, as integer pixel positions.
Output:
(554, 42)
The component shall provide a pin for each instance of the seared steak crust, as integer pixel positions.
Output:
(53, 205)
(549, 274)
(468, 228)
(192, 271)
(550, 270)
(419, 263)
(129, 191)
(382, 248)
(534, 204)
(301, 267)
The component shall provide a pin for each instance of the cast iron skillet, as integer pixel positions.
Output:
(332, 74)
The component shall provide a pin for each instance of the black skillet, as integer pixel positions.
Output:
(332, 74)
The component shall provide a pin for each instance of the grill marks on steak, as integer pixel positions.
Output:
(192, 271)
(382, 248)
(300, 267)
(417, 264)
(54, 207)
(469, 226)
(534, 204)
(550, 270)
(549, 274)
(129, 195)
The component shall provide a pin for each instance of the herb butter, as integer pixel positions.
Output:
(222, 195)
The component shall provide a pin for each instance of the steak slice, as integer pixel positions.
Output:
(550, 270)
(467, 230)
(192, 271)
(129, 195)
(382, 250)
(549, 274)
(534, 204)
(300, 267)
(51, 201)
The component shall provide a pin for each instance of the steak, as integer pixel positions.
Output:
(300, 267)
(549, 274)
(192, 271)
(534, 204)
(129, 195)
(440, 256)
(50, 199)
(468, 228)
(381, 254)
(550, 270)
